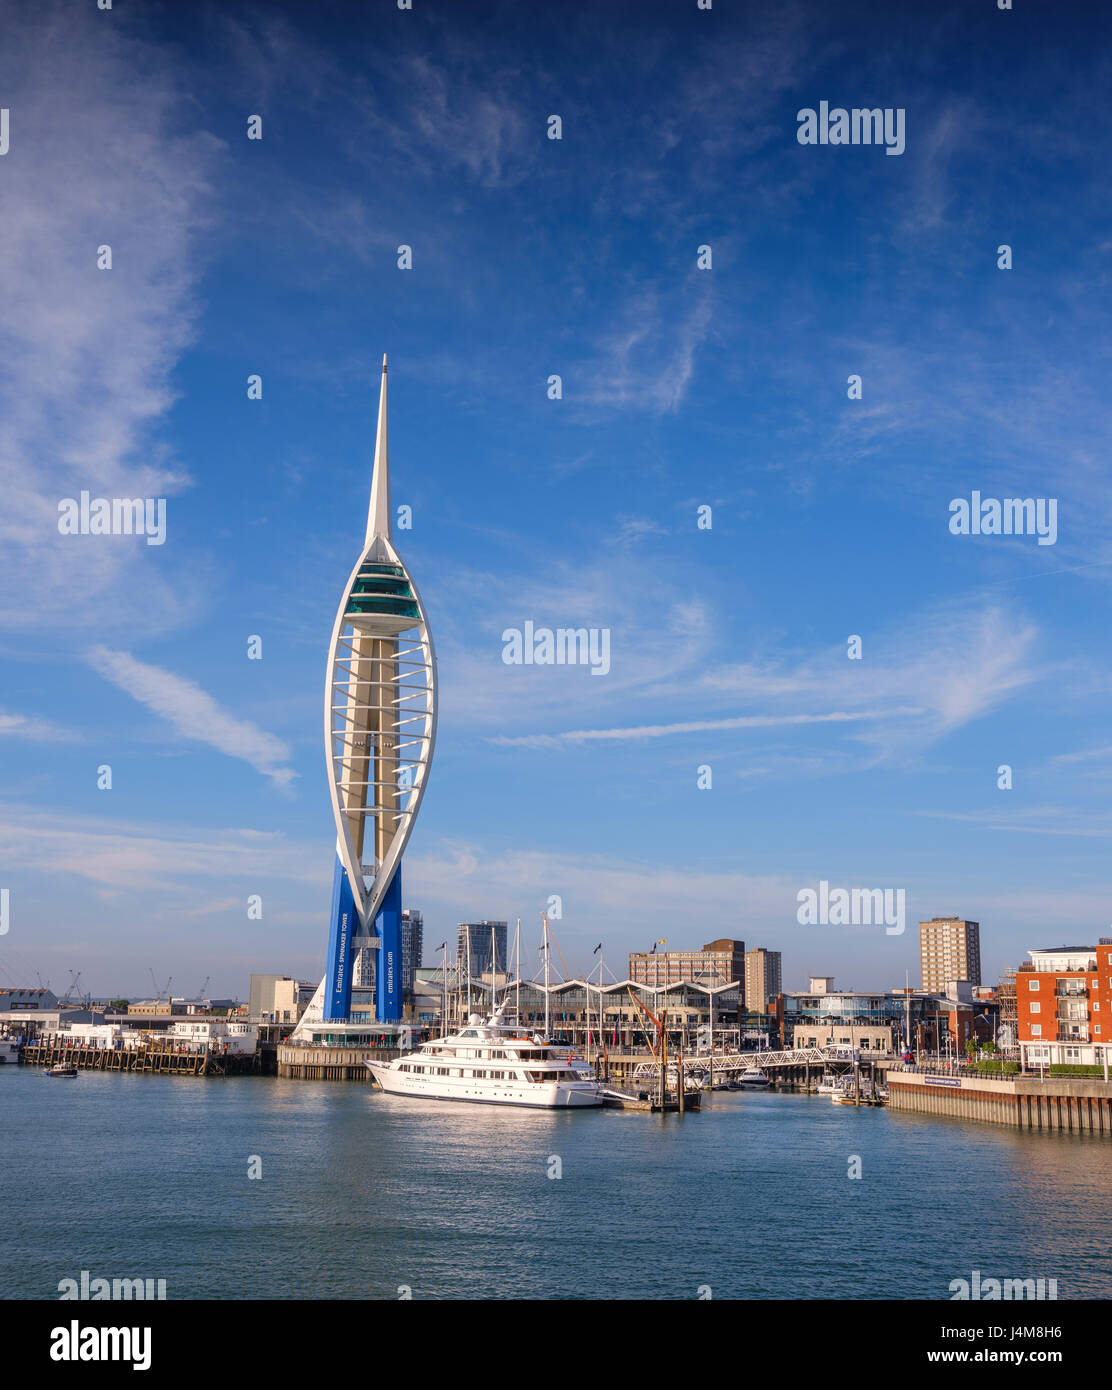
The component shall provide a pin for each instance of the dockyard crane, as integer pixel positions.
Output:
(201, 991)
(165, 990)
(75, 979)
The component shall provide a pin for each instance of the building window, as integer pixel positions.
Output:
(1032, 984)
(1036, 1030)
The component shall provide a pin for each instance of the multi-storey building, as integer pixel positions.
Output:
(1064, 1005)
(762, 979)
(949, 949)
(718, 963)
(473, 952)
(878, 1021)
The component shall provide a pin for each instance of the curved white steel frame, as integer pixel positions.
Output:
(379, 717)
(379, 704)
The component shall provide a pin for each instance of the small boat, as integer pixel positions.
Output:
(753, 1079)
(829, 1085)
(9, 1053)
(61, 1069)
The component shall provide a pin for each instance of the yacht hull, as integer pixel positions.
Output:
(556, 1095)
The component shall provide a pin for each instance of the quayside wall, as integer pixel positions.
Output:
(329, 1063)
(1077, 1106)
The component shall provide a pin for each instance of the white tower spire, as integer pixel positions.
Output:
(378, 516)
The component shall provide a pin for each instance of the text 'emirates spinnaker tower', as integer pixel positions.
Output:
(379, 734)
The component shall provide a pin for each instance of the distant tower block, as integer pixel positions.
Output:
(379, 734)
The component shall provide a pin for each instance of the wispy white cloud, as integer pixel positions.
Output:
(31, 727)
(87, 353)
(648, 361)
(123, 856)
(956, 664)
(194, 714)
(698, 726)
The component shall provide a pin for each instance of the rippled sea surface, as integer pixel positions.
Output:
(362, 1195)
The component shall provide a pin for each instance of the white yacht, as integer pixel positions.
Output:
(9, 1052)
(753, 1079)
(489, 1061)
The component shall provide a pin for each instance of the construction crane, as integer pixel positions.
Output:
(656, 1022)
(201, 991)
(75, 979)
(165, 990)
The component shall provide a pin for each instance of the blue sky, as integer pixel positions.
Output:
(682, 387)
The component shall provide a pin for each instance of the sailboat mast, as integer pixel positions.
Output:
(547, 1024)
(517, 970)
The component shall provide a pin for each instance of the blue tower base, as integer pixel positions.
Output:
(340, 966)
(388, 971)
(341, 956)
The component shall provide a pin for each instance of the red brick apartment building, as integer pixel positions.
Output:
(1064, 1005)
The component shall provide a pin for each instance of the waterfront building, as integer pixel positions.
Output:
(865, 1037)
(876, 1020)
(762, 978)
(822, 1016)
(218, 1033)
(23, 1001)
(576, 1009)
(380, 734)
(718, 963)
(473, 949)
(949, 949)
(277, 998)
(1064, 1005)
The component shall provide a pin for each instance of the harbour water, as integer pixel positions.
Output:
(365, 1196)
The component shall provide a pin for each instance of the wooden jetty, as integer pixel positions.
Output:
(651, 1102)
(170, 1061)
